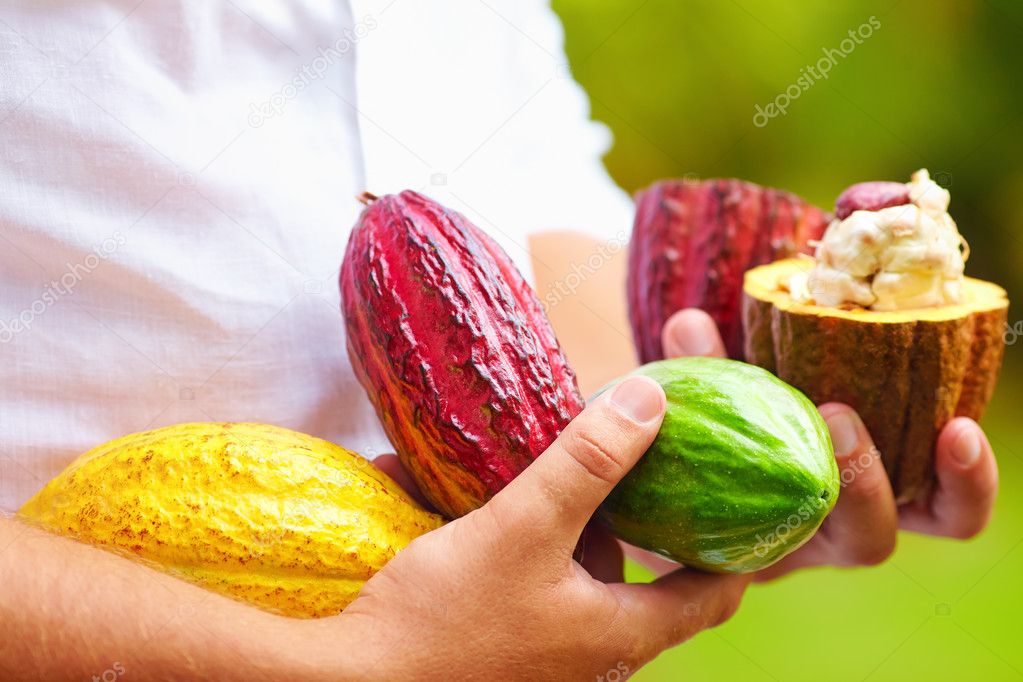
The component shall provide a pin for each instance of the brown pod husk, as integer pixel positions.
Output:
(906, 372)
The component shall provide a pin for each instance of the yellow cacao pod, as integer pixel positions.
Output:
(284, 521)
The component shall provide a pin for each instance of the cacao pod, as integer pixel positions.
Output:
(453, 349)
(906, 372)
(692, 242)
(281, 520)
(740, 474)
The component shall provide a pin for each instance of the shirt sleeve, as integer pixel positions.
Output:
(475, 106)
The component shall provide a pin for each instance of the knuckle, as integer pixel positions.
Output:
(680, 633)
(876, 552)
(964, 533)
(868, 489)
(969, 528)
(863, 478)
(725, 611)
(596, 458)
(731, 608)
(729, 603)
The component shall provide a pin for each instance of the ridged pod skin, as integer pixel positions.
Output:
(453, 349)
(692, 242)
(906, 372)
(284, 521)
(741, 473)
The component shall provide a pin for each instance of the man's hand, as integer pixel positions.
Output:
(862, 528)
(494, 595)
(498, 595)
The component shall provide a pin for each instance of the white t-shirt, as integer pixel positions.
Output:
(176, 190)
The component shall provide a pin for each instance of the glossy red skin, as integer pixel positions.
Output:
(870, 196)
(453, 349)
(692, 242)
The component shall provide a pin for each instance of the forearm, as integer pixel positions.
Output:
(68, 610)
(580, 280)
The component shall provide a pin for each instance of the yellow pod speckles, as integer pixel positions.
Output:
(284, 521)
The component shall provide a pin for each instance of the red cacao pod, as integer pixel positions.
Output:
(453, 348)
(693, 241)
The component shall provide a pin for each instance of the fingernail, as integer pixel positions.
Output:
(693, 333)
(844, 426)
(639, 398)
(967, 447)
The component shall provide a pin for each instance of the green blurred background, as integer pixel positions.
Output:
(936, 85)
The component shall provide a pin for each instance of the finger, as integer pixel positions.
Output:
(678, 605)
(863, 527)
(600, 554)
(392, 466)
(865, 505)
(691, 332)
(557, 494)
(967, 484)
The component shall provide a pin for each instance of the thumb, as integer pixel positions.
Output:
(691, 332)
(678, 605)
(558, 493)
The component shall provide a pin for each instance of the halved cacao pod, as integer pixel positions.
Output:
(906, 372)
(453, 348)
(691, 244)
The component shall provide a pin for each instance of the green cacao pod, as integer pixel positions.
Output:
(741, 473)
(453, 349)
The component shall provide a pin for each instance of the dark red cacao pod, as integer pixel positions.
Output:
(453, 348)
(692, 242)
